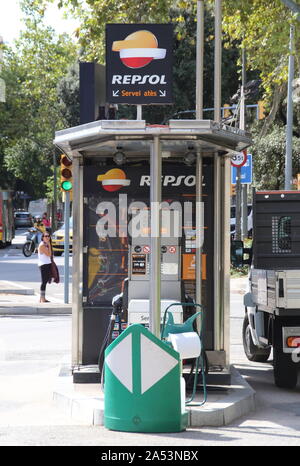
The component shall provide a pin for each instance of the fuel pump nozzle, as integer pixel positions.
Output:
(117, 304)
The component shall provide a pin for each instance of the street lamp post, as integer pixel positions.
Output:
(289, 124)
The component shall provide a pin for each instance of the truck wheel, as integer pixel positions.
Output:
(252, 352)
(285, 370)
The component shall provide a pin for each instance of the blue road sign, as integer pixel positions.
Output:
(246, 172)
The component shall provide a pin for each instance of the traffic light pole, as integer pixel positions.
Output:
(54, 204)
(238, 201)
(66, 247)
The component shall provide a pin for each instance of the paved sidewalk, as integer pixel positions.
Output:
(7, 287)
(16, 299)
(239, 285)
(85, 402)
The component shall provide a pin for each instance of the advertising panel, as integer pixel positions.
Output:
(139, 63)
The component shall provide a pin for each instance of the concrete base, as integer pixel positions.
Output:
(91, 374)
(85, 402)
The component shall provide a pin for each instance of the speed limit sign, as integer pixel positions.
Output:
(239, 159)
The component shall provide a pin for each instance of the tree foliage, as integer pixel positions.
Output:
(261, 27)
(68, 96)
(32, 69)
(269, 157)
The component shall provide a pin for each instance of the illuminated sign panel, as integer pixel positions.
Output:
(139, 63)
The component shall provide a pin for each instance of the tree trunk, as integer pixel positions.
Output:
(278, 94)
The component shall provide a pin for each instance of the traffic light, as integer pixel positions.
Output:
(226, 110)
(261, 109)
(66, 180)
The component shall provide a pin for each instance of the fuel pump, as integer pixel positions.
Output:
(136, 288)
(138, 282)
(132, 306)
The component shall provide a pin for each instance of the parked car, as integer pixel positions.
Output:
(23, 219)
(58, 239)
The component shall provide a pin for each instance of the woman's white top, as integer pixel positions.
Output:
(43, 258)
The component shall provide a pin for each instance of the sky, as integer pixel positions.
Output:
(11, 24)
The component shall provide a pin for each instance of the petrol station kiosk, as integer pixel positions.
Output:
(128, 178)
(156, 168)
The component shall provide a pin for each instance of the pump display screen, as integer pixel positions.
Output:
(139, 264)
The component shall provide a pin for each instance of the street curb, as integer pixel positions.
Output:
(22, 291)
(9, 287)
(89, 407)
(11, 310)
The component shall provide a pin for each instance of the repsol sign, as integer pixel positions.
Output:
(139, 63)
(171, 180)
(138, 79)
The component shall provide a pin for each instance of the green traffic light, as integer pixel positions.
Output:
(67, 185)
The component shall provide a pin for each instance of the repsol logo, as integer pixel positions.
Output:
(171, 180)
(138, 79)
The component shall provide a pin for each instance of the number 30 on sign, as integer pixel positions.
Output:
(239, 159)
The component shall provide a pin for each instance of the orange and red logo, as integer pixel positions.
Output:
(113, 180)
(138, 49)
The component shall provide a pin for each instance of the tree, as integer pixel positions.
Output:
(32, 70)
(182, 14)
(94, 14)
(262, 28)
(68, 95)
(268, 155)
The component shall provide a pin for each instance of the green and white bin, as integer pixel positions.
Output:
(143, 387)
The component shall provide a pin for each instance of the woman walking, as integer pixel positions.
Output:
(44, 263)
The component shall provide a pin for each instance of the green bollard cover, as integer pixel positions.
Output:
(142, 384)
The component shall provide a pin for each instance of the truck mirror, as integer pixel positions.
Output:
(237, 253)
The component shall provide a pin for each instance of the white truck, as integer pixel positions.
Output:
(37, 208)
(272, 303)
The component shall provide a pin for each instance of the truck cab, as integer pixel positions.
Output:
(272, 303)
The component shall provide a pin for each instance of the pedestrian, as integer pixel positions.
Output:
(46, 221)
(38, 224)
(44, 263)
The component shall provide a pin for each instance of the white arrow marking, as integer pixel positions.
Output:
(116, 93)
(155, 363)
(119, 360)
(162, 93)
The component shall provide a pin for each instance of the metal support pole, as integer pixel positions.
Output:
(289, 124)
(217, 177)
(66, 247)
(77, 312)
(199, 233)
(139, 112)
(217, 249)
(245, 211)
(155, 243)
(54, 206)
(218, 60)
(199, 59)
(225, 263)
(238, 207)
